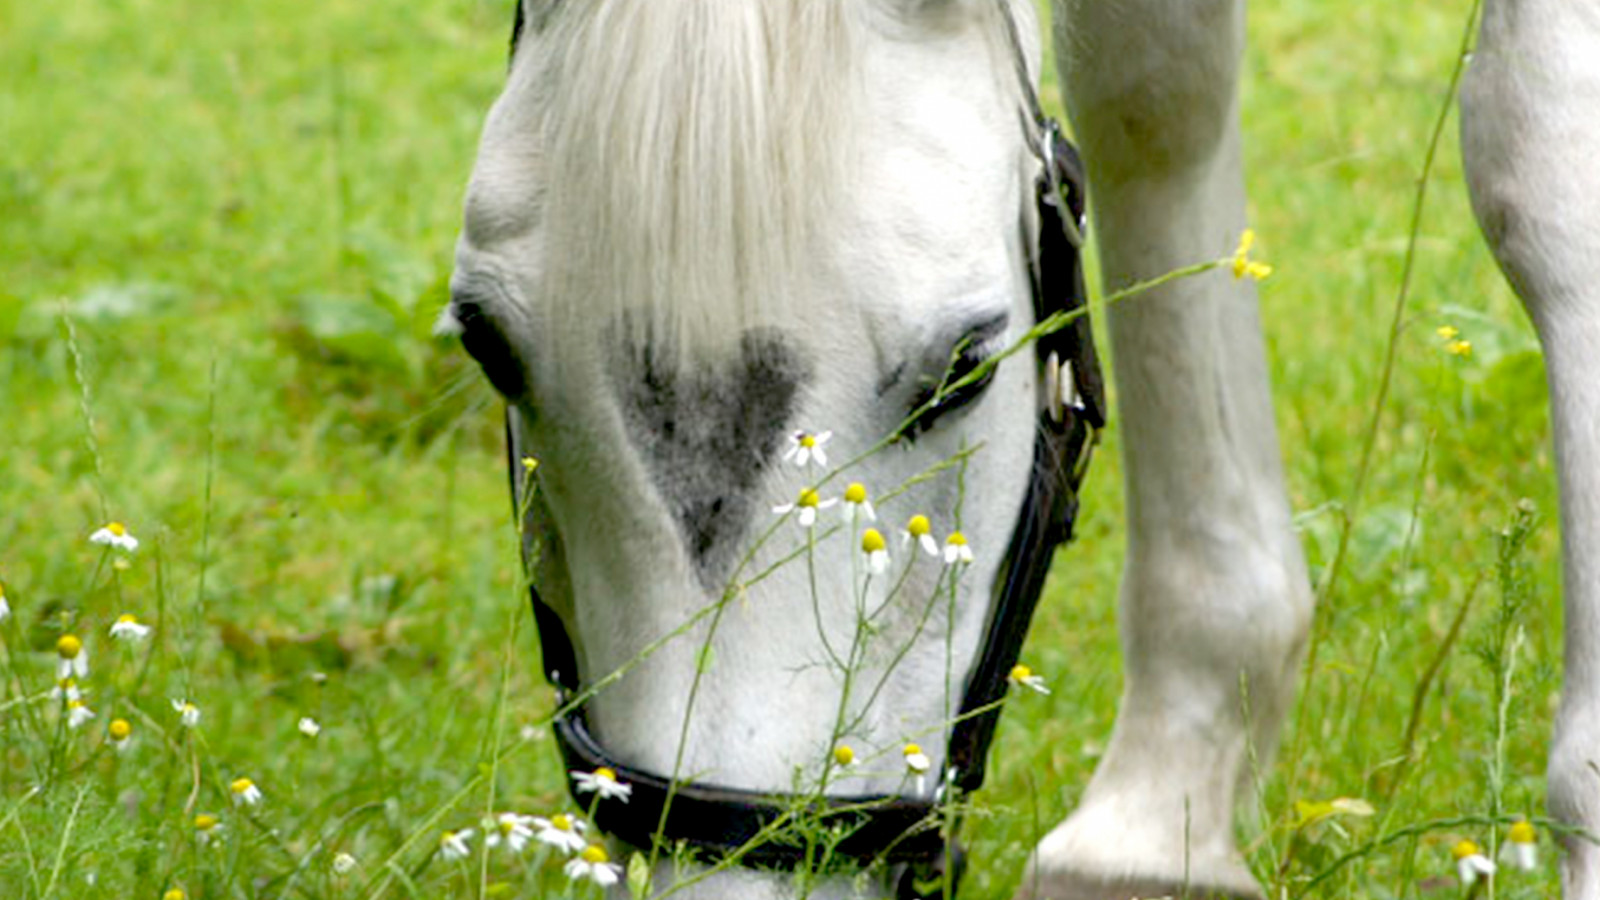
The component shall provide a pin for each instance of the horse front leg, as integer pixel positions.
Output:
(1214, 596)
(1530, 137)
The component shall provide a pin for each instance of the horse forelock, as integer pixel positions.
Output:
(691, 150)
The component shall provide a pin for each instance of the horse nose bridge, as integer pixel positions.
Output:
(708, 432)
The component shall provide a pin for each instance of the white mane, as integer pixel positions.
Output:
(691, 149)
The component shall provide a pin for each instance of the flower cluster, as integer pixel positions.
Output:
(1454, 343)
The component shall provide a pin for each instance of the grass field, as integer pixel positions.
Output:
(246, 213)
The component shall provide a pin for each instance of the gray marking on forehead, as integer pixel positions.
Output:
(709, 431)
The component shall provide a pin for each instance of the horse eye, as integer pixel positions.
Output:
(946, 393)
(485, 341)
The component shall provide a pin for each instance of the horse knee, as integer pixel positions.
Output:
(1574, 789)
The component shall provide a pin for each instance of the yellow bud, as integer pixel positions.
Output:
(594, 853)
(529, 463)
(844, 755)
(205, 822)
(1447, 332)
(69, 646)
(174, 894)
(119, 729)
(872, 541)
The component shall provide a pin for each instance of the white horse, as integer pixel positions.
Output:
(697, 227)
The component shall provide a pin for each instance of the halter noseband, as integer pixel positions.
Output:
(910, 833)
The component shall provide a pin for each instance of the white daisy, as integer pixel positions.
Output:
(917, 765)
(206, 828)
(807, 503)
(560, 830)
(804, 447)
(918, 529)
(594, 864)
(115, 534)
(73, 659)
(188, 713)
(1022, 675)
(1470, 862)
(510, 829)
(128, 628)
(604, 782)
(956, 549)
(877, 551)
(68, 688)
(309, 727)
(453, 844)
(857, 506)
(1522, 845)
(245, 792)
(77, 713)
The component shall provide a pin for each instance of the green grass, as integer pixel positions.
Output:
(248, 211)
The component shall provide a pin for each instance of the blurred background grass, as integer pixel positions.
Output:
(253, 206)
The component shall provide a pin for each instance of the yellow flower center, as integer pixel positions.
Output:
(956, 539)
(1464, 849)
(855, 493)
(871, 541)
(507, 826)
(74, 704)
(561, 821)
(918, 526)
(241, 785)
(117, 528)
(1522, 833)
(446, 838)
(605, 774)
(809, 497)
(844, 755)
(127, 619)
(120, 729)
(174, 894)
(205, 822)
(913, 749)
(595, 854)
(69, 646)
(1020, 672)
(808, 441)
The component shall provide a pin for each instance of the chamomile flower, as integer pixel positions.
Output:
(1243, 265)
(121, 734)
(509, 829)
(5, 608)
(77, 713)
(1022, 675)
(604, 782)
(245, 792)
(594, 864)
(920, 530)
(68, 688)
(207, 828)
(344, 864)
(175, 894)
(561, 830)
(872, 544)
(844, 755)
(857, 506)
(1470, 862)
(115, 534)
(309, 727)
(128, 628)
(956, 549)
(805, 447)
(453, 844)
(1522, 845)
(917, 765)
(188, 713)
(73, 658)
(807, 505)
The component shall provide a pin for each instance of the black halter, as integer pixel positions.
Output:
(717, 822)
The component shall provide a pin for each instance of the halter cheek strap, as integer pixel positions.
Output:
(913, 835)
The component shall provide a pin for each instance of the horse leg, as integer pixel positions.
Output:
(1529, 136)
(1215, 602)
